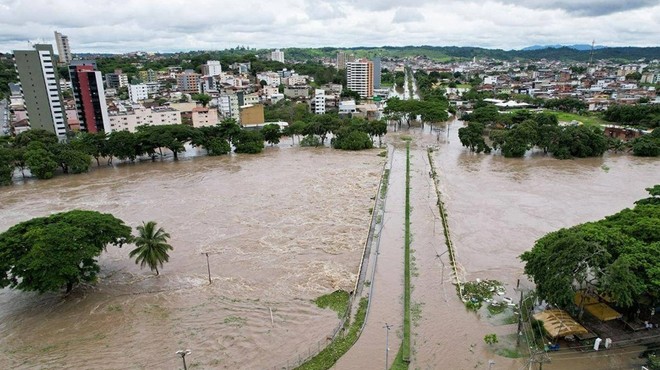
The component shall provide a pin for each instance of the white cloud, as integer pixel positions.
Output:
(405, 15)
(172, 25)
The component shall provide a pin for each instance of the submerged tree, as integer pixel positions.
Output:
(616, 256)
(151, 246)
(48, 253)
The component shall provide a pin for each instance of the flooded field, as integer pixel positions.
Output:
(497, 208)
(281, 228)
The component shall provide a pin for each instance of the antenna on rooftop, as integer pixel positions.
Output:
(591, 54)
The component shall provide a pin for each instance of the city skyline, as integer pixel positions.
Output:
(169, 26)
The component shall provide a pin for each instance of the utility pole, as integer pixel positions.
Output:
(520, 313)
(387, 344)
(183, 354)
(208, 266)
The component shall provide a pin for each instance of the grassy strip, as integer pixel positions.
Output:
(336, 301)
(445, 226)
(342, 343)
(405, 346)
(588, 119)
(399, 363)
(383, 185)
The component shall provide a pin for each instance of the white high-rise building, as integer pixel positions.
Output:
(319, 101)
(360, 77)
(63, 48)
(212, 68)
(138, 92)
(229, 107)
(277, 55)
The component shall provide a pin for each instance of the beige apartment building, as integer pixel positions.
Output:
(130, 120)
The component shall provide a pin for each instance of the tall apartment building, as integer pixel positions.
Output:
(116, 80)
(376, 62)
(148, 76)
(211, 68)
(277, 55)
(360, 77)
(229, 107)
(88, 92)
(188, 81)
(43, 98)
(319, 101)
(341, 60)
(63, 48)
(138, 92)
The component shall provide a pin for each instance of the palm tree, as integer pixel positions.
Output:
(151, 245)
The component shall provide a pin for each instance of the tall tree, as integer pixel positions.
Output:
(48, 253)
(616, 256)
(41, 162)
(271, 133)
(151, 246)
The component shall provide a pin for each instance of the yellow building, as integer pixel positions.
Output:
(252, 114)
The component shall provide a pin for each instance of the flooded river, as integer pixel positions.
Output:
(284, 227)
(281, 228)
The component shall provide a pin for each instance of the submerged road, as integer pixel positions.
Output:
(387, 286)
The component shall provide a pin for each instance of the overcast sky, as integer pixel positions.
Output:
(176, 25)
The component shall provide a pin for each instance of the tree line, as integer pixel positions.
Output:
(42, 153)
(61, 250)
(516, 133)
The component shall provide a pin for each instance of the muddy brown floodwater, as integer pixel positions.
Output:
(281, 228)
(497, 207)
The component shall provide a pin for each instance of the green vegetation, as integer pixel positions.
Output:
(445, 223)
(203, 99)
(151, 246)
(455, 53)
(509, 353)
(236, 321)
(618, 256)
(271, 133)
(405, 345)
(647, 145)
(340, 345)
(399, 363)
(490, 339)
(431, 111)
(472, 136)
(47, 253)
(337, 301)
(567, 105)
(7, 75)
(384, 184)
(310, 140)
(590, 119)
(516, 133)
(250, 142)
(644, 116)
(477, 292)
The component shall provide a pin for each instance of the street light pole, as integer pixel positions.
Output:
(208, 266)
(183, 357)
(387, 344)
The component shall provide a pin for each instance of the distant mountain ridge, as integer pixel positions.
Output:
(581, 47)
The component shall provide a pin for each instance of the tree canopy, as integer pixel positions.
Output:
(616, 256)
(49, 253)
